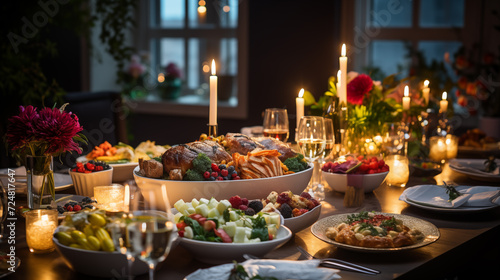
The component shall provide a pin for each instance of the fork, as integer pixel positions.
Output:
(339, 264)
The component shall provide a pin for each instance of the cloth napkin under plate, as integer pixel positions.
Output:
(281, 269)
(433, 195)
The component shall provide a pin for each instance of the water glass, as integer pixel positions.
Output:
(393, 135)
(276, 124)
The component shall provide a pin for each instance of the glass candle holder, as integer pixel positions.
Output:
(399, 173)
(442, 148)
(110, 198)
(40, 226)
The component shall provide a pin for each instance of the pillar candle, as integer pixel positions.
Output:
(299, 102)
(339, 78)
(406, 99)
(213, 97)
(443, 104)
(343, 72)
(425, 91)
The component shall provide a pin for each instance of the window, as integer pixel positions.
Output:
(383, 30)
(189, 34)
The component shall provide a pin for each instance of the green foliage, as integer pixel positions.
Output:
(296, 164)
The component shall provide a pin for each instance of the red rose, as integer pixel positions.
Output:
(358, 88)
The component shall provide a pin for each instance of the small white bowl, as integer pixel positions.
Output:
(85, 182)
(121, 171)
(98, 263)
(296, 224)
(218, 253)
(368, 182)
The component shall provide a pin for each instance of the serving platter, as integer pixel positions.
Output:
(249, 188)
(430, 231)
(121, 171)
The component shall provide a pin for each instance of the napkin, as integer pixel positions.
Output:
(476, 169)
(281, 269)
(433, 195)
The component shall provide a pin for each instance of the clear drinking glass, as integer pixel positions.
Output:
(276, 124)
(393, 135)
(330, 138)
(312, 140)
(152, 231)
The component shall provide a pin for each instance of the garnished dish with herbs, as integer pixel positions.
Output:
(367, 229)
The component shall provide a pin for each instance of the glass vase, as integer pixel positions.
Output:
(41, 187)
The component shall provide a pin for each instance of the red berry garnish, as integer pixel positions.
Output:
(305, 195)
(215, 174)
(235, 201)
(215, 167)
(69, 208)
(244, 201)
(77, 208)
(224, 172)
(283, 198)
(206, 175)
(243, 207)
(220, 178)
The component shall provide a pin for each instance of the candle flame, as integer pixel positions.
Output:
(343, 50)
(339, 74)
(213, 67)
(407, 91)
(426, 83)
(301, 93)
(445, 95)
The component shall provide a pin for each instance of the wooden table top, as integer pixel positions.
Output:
(469, 243)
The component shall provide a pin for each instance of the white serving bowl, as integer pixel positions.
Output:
(249, 188)
(218, 253)
(368, 182)
(85, 182)
(121, 171)
(296, 224)
(98, 263)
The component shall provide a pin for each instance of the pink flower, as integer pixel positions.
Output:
(57, 128)
(21, 128)
(358, 88)
(136, 69)
(173, 71)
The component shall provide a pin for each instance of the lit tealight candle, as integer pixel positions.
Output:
(425, 91)
(343, 71)
(40, 227)
(443, 104)
(110, 198)
(213, 97)
(299, 102)
(406, 99)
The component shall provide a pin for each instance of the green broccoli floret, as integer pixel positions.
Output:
(201, 163)
(296, 164)
(192, 175)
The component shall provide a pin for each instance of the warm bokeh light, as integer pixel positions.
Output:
(213, 67)
(161, 78)
(445, 95)
(202, 3)
(226, 8)
(205, 68)
(301, 93)
(426, 83)
(202, 9)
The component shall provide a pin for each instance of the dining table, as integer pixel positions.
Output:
(468, 247)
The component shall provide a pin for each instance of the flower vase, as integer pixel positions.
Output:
(41, 187)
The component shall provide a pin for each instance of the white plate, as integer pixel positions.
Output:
(121, 171)
(61, 182)
(218, 253)
(430, 231)
(249, 188)
(456, 164)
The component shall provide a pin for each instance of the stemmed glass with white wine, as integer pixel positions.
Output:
(276, 124)
(312, 140)
(393, 137)
(151, 232)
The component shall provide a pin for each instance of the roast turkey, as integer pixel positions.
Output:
(181, 157)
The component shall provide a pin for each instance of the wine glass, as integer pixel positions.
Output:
(152, 230)
(330, 138)
(276, 124)
(393, 135)
(312, 140)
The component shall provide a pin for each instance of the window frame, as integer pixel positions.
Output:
(142, 38)
(355, 17)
